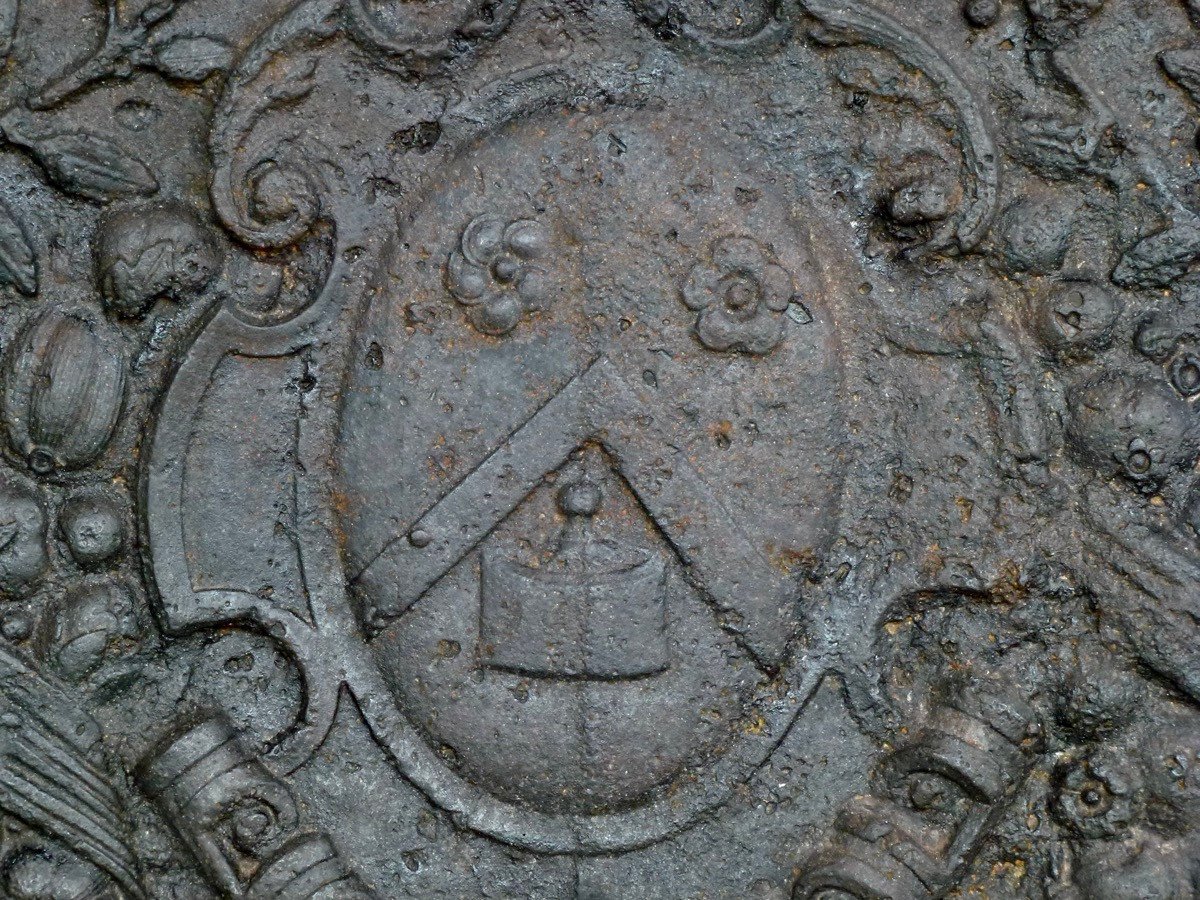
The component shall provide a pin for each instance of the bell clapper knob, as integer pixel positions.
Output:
(580, 500)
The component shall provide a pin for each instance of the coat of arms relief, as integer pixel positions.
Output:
(596, 449)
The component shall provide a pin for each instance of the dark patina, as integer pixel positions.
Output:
(599, 449)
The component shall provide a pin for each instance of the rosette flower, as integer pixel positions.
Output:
(1098, 796)
(741, 297)
(494, 272)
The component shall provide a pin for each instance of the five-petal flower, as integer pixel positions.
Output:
(494, 273)
(741, 296)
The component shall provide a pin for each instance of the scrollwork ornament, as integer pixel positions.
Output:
(858, 23)
(265, 187)
(412, 35)
(742, 26)
(270, 198)
(244, 824)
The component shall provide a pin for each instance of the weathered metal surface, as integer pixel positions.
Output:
(599, 449)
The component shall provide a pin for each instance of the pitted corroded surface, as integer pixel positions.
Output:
(599, 449)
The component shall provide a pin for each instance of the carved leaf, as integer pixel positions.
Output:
(192, 58)
(1183, 67)
(18, 264)
(90, 166)
(9, 532)
(157, 13)
(8, 25)
(1148, 578)
(295, 81)
(1159, 259)
(52, 776)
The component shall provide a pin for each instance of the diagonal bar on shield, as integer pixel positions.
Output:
(722, 561)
